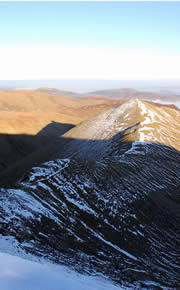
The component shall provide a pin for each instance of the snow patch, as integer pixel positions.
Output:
(19, 274)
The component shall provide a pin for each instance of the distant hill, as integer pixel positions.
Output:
(133, 93)
(56, 92)
(118, 93)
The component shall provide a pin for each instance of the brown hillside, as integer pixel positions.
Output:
(27, 112)
(30, 118)
(135, 120)
(33, 113)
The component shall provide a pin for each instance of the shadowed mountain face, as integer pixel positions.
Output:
(16, 147)
(107, 201)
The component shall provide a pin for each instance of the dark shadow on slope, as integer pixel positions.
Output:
(111, 211)
(15, 147)
(19, 153)
(55, 129)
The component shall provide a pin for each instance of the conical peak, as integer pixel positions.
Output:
(107, 124)
(156, 124)
(132, 105)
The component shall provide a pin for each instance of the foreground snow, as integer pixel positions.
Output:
(20, 274)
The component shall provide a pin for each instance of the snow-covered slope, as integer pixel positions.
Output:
(110, 206)
(20, 274)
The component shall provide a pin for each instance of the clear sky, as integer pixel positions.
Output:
(90, 40)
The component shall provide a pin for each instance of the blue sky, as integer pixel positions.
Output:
(126, 29)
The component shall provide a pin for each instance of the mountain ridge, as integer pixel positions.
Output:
(133, 121)
(106, 201)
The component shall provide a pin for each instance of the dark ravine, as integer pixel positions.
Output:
(116, 214)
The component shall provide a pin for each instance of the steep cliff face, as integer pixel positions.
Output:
(108, 202)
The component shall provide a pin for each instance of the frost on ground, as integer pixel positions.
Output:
(20, 274)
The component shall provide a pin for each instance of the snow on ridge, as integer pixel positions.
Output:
(49, 169)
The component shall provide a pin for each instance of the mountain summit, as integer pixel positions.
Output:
(132, 121)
